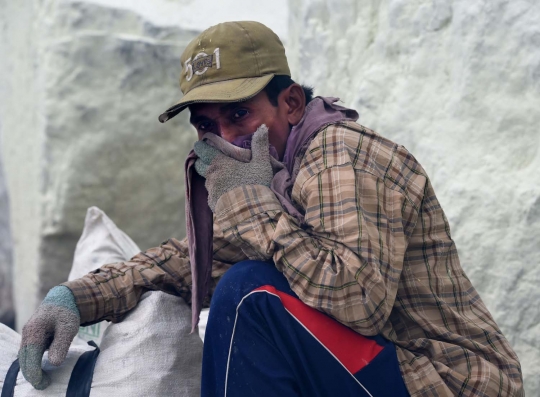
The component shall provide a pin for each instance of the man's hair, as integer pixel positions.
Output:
(279, 83)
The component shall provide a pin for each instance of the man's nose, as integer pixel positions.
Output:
(225, 130)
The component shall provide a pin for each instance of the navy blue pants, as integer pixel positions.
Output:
(261, 340)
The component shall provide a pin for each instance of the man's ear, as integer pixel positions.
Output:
(295, 101)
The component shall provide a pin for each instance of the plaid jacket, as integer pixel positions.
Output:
(375, 253)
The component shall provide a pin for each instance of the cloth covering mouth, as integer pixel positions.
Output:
(320, 112)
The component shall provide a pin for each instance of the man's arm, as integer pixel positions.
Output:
(347, 259)
(109, 292)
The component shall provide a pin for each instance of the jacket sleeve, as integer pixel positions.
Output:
(346, 260)
(109, 292)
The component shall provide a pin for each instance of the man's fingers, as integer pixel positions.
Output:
(201, 167)
(30, 357)
(36, 337)
(227, 148)
(205, 152)
(63, 336)
(260, 144)
(220, 160)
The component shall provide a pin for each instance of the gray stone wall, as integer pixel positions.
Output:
(7, 309)
(458, 83)
(81, 85)
(82, 90)
(17, 123)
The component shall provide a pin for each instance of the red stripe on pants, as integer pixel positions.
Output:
(353, 350)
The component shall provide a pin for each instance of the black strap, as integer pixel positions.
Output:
(8, 390)
(80, 381)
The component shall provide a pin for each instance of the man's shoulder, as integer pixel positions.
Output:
(355, 134)
(350, 143)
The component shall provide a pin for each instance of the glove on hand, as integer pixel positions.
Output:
(224, 173)
(53, 326)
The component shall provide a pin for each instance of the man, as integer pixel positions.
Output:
(337, 273)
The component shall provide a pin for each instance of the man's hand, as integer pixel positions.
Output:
(53, 326)
(224, 173)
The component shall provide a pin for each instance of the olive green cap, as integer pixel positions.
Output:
(229, 62)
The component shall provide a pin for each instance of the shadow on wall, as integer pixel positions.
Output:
(7, 310)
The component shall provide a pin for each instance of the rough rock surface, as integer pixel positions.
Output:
(81, 93)
(199, 15)
(457, 83)
(81, 85)
(7, 310)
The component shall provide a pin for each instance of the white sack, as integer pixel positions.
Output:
(9, 347)
(59, 375)
(203, 319)
(150, 353)
(101, 242)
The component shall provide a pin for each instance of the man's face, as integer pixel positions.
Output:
(231, 120)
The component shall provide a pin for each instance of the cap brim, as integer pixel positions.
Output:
(222, 91)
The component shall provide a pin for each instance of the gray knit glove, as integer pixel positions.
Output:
(224, 173)
(53, 326)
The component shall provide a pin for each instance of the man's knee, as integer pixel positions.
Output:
(243, 278)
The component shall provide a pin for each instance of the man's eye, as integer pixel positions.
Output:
(239, 114)
(205, 126)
